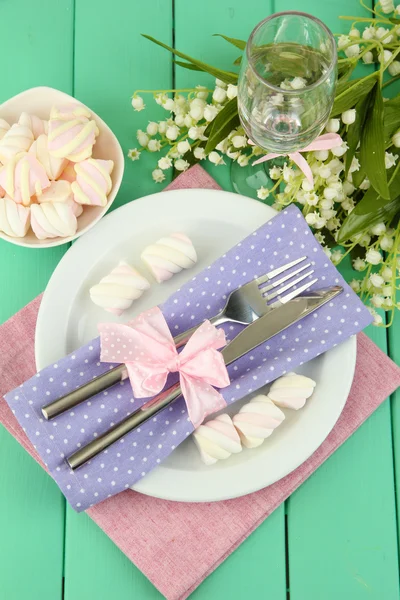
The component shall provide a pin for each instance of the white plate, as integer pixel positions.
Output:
(215, 221)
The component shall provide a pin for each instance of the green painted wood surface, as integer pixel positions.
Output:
(337, 535)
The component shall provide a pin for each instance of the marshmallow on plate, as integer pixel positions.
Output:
(53, 166)
(256, 420)
(35, 124)
(60, 191)
(291, 390)
(4, 127)
(117, 290)
(71, 133)
(18, 138)
(14, 218)
(53, 219)
(169, 255)
(217, 439)
(93, 182)
(23, 177)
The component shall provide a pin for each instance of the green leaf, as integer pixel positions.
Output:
(225, 76)
(354, 223)
(391, 118)
(351, 92)
(237, 61)
(358, 177)
(372, 149)
(241, 44)
(187, 65)
(224, 122)
(354, 131)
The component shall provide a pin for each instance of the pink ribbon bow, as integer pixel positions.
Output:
(147, 348)
(327, 141)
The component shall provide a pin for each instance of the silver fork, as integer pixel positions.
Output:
(243, 306)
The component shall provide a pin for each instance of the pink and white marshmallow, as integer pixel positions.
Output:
(23, 177)
(117, 290)
(69, 173)
(256, 420)
(93, 182)
(18, 138)
(53, 219)
(14, 218)
(53, 166)
(291, 390)
(60, 191)
(169, 255)
(217, 439)
(35, 124)
(4, 127)
(71, 136)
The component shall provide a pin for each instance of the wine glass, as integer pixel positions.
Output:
(286, 90)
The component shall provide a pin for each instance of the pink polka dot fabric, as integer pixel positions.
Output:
(281, 240)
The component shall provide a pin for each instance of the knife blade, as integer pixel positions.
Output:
(252, 336)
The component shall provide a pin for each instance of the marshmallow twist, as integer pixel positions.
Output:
(14, 218)
(53, 166)
(291, 390)
(35, 124)
(4, 127)
(217, 439)
(71, 134)
(256, 420)
(116, 292)
(60, 191)
(18, 138)
(169, 255)
(53, 219)
(23, 177)
(93, 182)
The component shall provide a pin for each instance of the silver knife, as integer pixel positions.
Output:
(252, 336)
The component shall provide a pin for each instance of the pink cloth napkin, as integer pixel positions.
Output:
(180, 549)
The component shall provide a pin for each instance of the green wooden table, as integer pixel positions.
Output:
(337, 536)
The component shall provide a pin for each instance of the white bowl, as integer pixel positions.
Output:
(39, 101)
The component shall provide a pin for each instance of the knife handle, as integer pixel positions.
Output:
(124, 427)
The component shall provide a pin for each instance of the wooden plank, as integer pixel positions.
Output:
(394, 353)
(31, 506)
(111, 61)
(257, 567)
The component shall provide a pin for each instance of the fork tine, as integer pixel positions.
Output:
(288, 286)
(294, 293)
(279, 270)
(278, 282)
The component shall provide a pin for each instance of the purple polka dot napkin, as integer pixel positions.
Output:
(281, 240)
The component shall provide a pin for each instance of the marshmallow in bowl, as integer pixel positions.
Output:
(23, 177)
(256, 420)
(71, 133)
(69, 173)
(35, 124)
(291, 390)
(53, 219)
(53, 166)
(169, 255)
(14, 218)
(60, 191)
(4, 127)
(93, 182)
(117, 290)
(217, 439)
(18, 138)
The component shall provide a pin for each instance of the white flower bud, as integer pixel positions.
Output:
(381, 32)
(165, 163)
(202, 92)
(137, 103)
(162, 127)
(321, 155)
(343, 41)
(328, 214)
(394, 68)
(180, 100)
(180, 120)
(243, 160)
(336, 257)
(275, 173)
(298, 83)
(354, 33)
(355, 165)
(152, 128)
(160, 98)
(311, 198)
(216, 158)
(210, 112)
(340, 150)
(172, 132)
(373, 257)
(386, 243)
(385, 57)
(388, 291)
(239, 141)
(348, 188)
(311, 218)
(387, 274)
(183, 147)
(219, 95)
(306, 185)
(231, 92)
(387, 6)
(396, 139)
(364, 185)
(330, 193)
(262, 193)
(169, 104)
(194, 133)
(355, 285)
(376, 280)
(154, 145)
(223, 146)
(199, 153)
(369, 33)
(377, 300)
(189, 122)
(142, 138)
(233, 154)
(359, 264)
(378, 229)
(219, 83)
(324, 172)
(332, 126)
(326, 203)
(197, 109)
(349, 116)
(181, 165)
(352, 51)
(158, 175)
(368, 58)
(390, 160)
